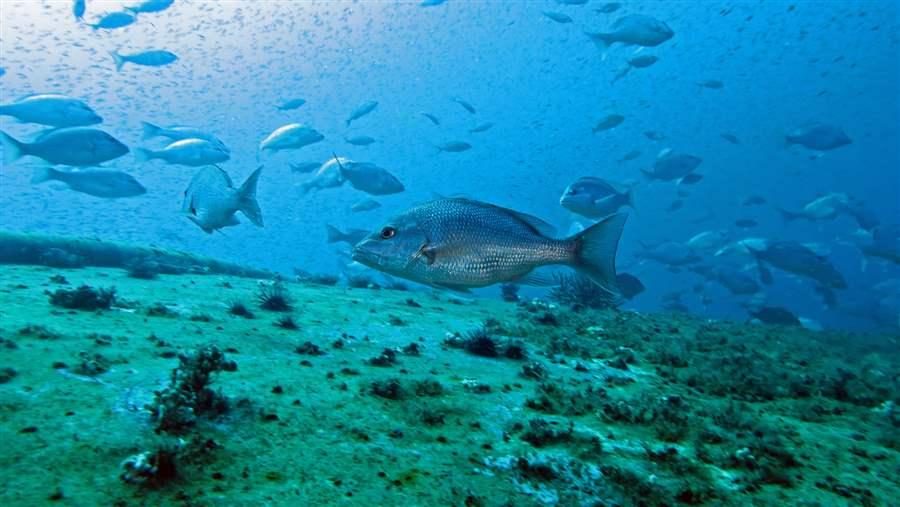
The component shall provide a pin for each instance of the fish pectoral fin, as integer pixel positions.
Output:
(427, 251)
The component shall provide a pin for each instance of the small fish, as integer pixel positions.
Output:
(78, 8)
(631, 155)
(290, 137)
(826, 207)
(51, 109)
(690, 179)
(572, 2)
(431, 3)
(211, 200)
(362, 110)
(754, 200)
(677, 204)
(775, 315)
(148, 6)
(654, 135)
(483, 127)
(434, 119)
(351, 237)
(291, 104)
(304, 167)
(638, 62)
(114, 20)
(746, 223)
(468, 107)
(819, 136)
(106, 184)
(179, 132)
(189, 152)
(796, 258)
(462, 243)
(634, 29)
(75, 146)
(731, 138)
(559, 17)
(713, 84)
(608, 8)
(595, 197)
(454, 146)
(609, 122)
(360, 140)
(370, 178)
(151, 58)
(365, 205)
(707, 240)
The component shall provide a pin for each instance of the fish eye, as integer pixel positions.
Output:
(388, 232)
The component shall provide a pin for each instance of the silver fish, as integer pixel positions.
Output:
(106, 184)
(327, 176)
(290, 137)
(179, 132)
(819, 136)
(454, 146)
(482, 127)
(461, 243)
(189, 152)
(150, 58)
(671, 165)
(114, 20)
(51, 109)
(304, 167)
(211, 200)
(291, 104)
(362, 110)
(150, 6)
(76, 146)
(468, 107)
(360, 140)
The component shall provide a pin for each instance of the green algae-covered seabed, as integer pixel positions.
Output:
(605, 407)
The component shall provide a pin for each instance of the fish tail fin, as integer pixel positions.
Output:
(42, 174)
(12, 149)
(247, 202)
(788, 216)
(150, 130)
(334, 235)
(629, 198)
(142, 155)
(595, 251)
(117, 58)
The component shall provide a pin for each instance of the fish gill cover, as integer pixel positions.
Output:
(376, 253)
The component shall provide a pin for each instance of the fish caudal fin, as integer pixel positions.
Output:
(788, 216)
(142, 155)
(150, 130)
(595, 251)
(42, 174)
(334, 235)
(247, 199)
(12, 149)
(117, 58)
(629, 198)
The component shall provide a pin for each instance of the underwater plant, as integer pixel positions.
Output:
(239, 309)
(578, 291)
(274, 297)
(84, 297)
(188, 397)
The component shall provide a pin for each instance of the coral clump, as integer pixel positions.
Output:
(84, 297)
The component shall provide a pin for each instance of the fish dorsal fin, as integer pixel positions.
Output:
(532, 221)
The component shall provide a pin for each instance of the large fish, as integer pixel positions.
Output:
(51, 109)
(461, 243)
(370, 178)
(180, 132)
(290, 137)
(76, 146)
(189, 152)
(211, 200)
(634, 29)
(106, 184)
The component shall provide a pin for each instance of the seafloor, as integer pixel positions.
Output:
(390, 403)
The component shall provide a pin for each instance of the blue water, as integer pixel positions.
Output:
(543, 84)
